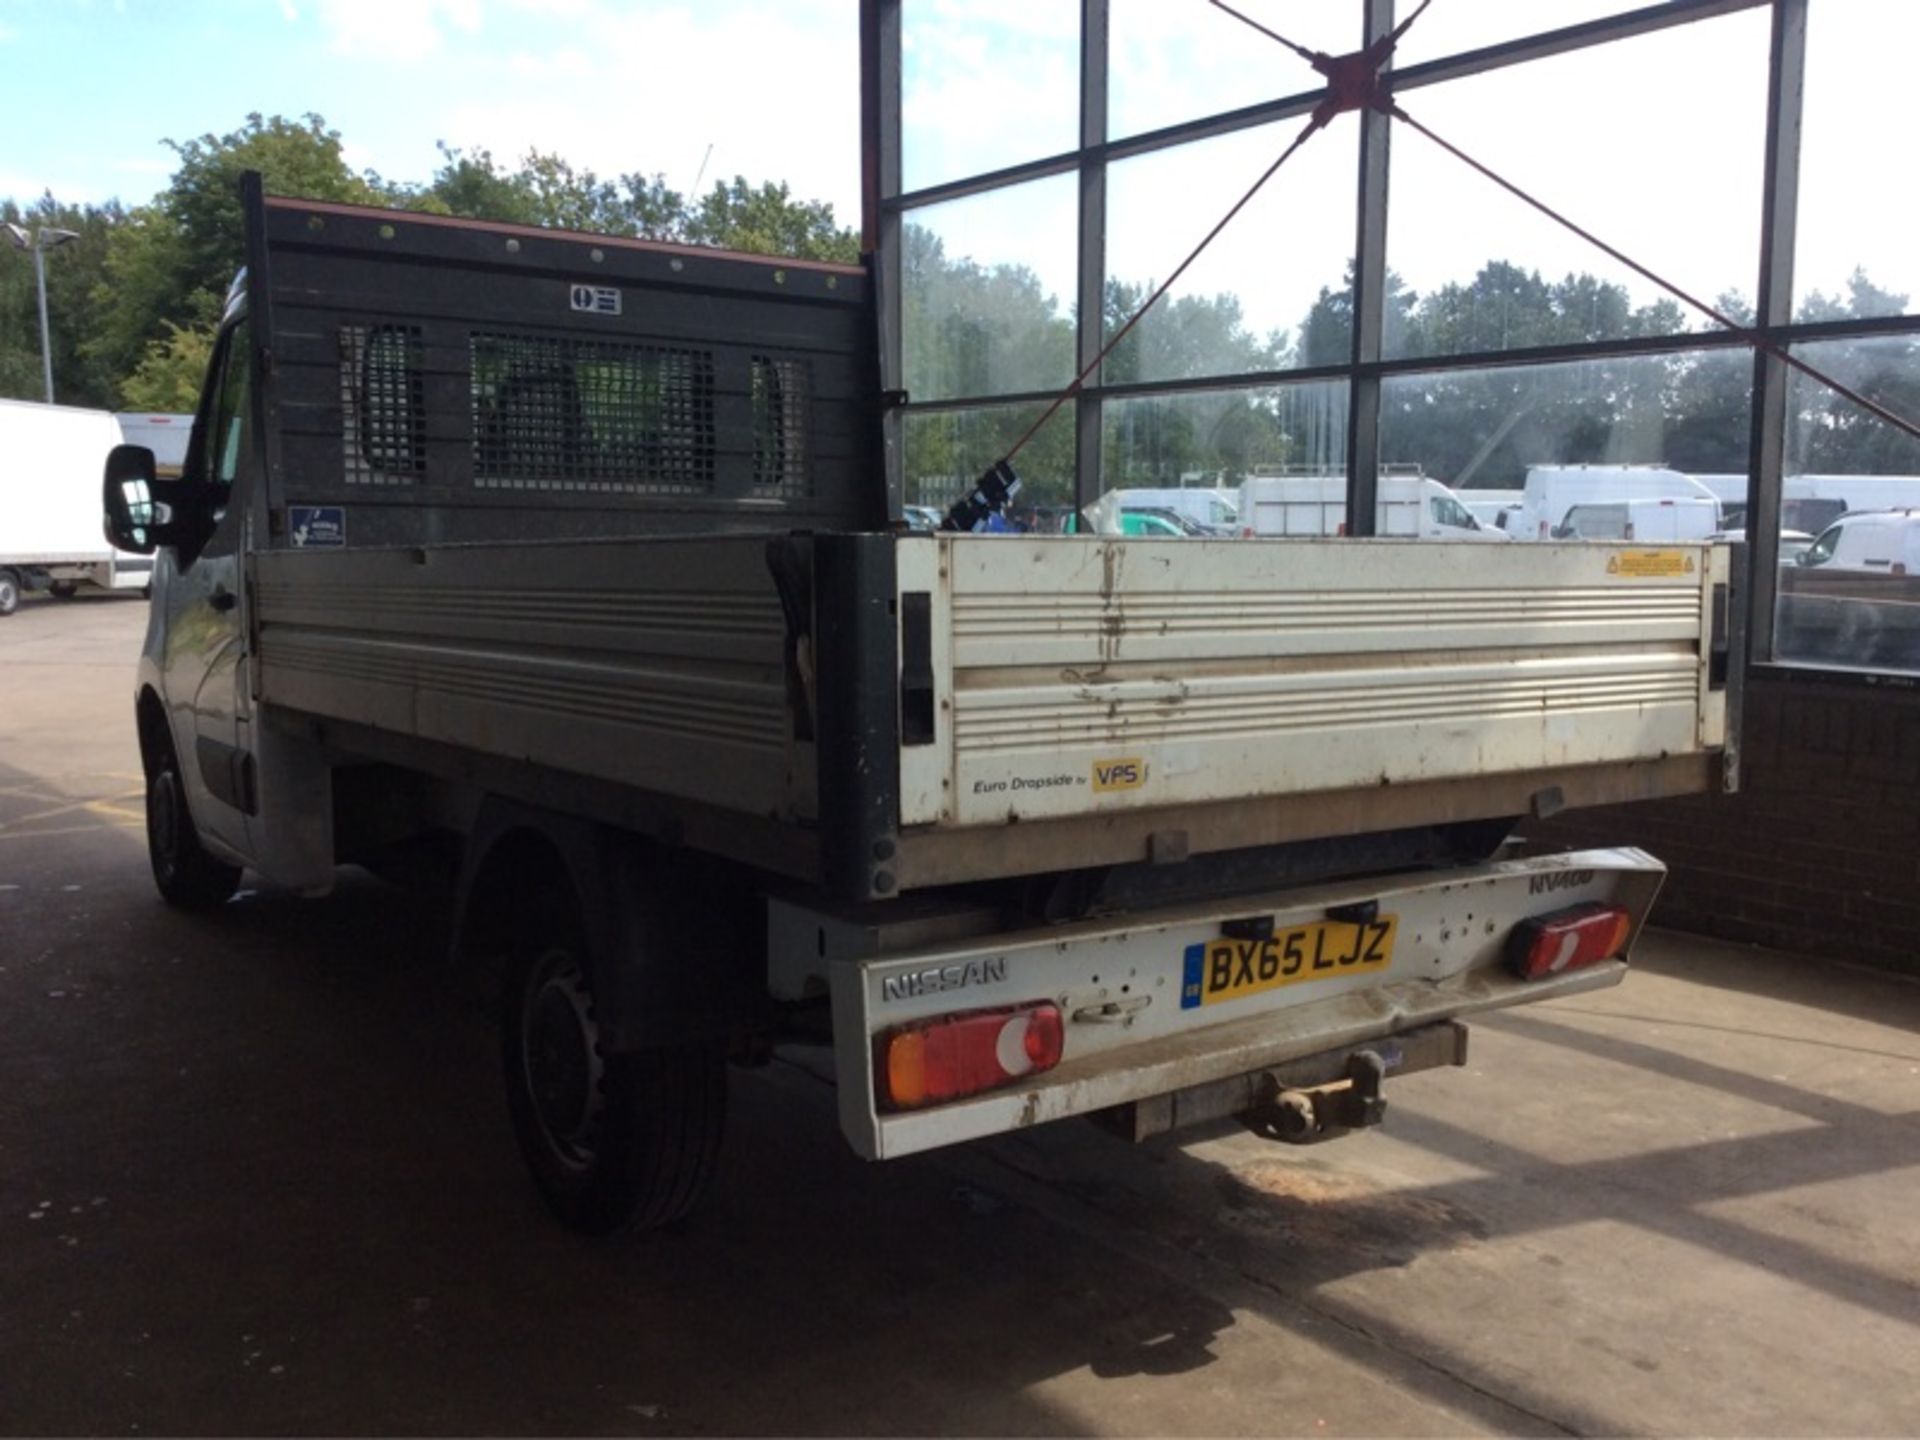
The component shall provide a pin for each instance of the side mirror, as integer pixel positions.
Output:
(141, 511)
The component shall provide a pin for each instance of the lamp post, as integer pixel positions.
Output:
(47, 237)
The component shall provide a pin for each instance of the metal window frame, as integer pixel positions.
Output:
(887, 205)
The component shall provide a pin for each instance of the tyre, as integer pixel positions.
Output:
(187, 876)
(9, 592)
(64, 589)
(623, 1142)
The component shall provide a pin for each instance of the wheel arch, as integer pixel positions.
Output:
(150, 720)
(673, 950)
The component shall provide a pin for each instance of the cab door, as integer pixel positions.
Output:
(204, 660)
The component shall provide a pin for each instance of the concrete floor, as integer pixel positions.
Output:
(255, 1177)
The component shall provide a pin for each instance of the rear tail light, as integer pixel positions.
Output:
(1569, 939)
(949, 1056)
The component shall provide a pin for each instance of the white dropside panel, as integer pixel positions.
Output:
(1095, 675)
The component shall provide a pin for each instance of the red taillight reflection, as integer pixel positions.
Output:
(1568, 940)
(954, 1055)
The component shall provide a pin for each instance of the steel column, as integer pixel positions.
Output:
(1090, 314)
(1369, 287)
(880, 219)
(1779, 218)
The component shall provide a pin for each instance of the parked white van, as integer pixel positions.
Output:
(1487, 506)
(1408, 505)
(1665, 519)
(1882, 542)
(1212, 510)
(1813, 502)
(1552, 490)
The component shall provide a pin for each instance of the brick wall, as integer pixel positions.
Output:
(1820, 850)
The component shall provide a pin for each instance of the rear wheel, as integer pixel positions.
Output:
(614, 1141)
(9, 592)
(187, 876)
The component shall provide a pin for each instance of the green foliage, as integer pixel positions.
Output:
(547, 190)
(73, 271)
(767, 220)
(169, 374)
(134, 300)
(170, 264)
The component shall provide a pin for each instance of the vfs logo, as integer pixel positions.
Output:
(1125, 774)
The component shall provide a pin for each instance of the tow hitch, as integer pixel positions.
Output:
(1303, 1115)
(1315, 1097)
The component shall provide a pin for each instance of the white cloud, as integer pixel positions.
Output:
(774, 90)
(395, 30)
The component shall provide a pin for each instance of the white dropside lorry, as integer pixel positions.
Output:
(561, 567)
(50, 535)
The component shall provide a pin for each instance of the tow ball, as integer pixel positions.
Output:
(1306, 1115)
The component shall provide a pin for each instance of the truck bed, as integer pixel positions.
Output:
(569, 515)
(961, 707)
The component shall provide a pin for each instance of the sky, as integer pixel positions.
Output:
(1654, 143)
(616, 87)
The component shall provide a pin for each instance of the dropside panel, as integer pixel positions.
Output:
(657, 664)
(1101, 677)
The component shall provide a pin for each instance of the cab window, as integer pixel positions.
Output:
(227, 430)
(1822, 549)
(228, 421)
(1447, 511)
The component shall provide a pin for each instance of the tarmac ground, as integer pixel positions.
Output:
(256, 1177)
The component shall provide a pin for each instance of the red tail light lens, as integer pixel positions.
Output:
(1569, 939)
(944, 1058)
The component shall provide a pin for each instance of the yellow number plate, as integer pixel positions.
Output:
(1227, 969)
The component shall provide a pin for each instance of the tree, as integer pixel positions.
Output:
(170, 264)
(767, 220)
(171, 371)
(74, 271)
(1326, 334)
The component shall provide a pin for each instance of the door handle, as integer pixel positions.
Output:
(223, 599)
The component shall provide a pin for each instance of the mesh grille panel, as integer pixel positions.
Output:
(382, 404)
(782, 401)
(561, 414)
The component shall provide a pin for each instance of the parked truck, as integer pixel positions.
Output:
(50, 535)
(561, 568)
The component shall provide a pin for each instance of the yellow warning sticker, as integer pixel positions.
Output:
(1651, 564)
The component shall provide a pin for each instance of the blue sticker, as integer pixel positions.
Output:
(1196, 959)
(317, 525)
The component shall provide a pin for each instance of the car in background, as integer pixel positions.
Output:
(1143, 524)
(921, 517)
(1667, 518)
(1209, 511)
(1871, 542)
(1793, 543)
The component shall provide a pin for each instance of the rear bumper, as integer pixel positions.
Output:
(1133, 1032)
